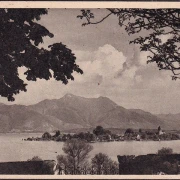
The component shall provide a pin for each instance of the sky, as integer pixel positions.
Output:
(112, 67)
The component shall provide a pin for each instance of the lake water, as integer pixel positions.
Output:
(12, 148)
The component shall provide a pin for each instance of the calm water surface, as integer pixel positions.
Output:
(12, 147)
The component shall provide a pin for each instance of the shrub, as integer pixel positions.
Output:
(165, 151)
(35, 158)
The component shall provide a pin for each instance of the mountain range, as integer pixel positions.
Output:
(74, 112)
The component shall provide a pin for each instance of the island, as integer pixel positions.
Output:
(99, 134)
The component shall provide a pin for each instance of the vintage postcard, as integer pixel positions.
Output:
(89, 89)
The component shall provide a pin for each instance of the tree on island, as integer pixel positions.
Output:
(57, 133)
(157, 23)
(89, 137)
(46, 135)
(20, 37)
(99, 130)
(159, 128)
(129, 131)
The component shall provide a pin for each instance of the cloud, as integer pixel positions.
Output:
(128, 81)
(105, 63)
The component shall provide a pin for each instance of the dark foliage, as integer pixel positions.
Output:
(99, 130)
(89, 137)
(159, 128)
(46, 135)
(35, 158)
(149, 164)
(27, 167)
(76, 152)
(57, 133)
(165, 151)
(129, 131)
(20, 35)
(101, 163)
(157, 23)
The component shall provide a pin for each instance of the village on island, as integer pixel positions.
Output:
(99, 134)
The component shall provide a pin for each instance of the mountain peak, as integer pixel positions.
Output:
(102, 97)
(69, 95)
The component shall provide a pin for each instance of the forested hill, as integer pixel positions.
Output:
(71, 112)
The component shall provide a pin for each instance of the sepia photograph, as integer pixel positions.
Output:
(89, 91)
